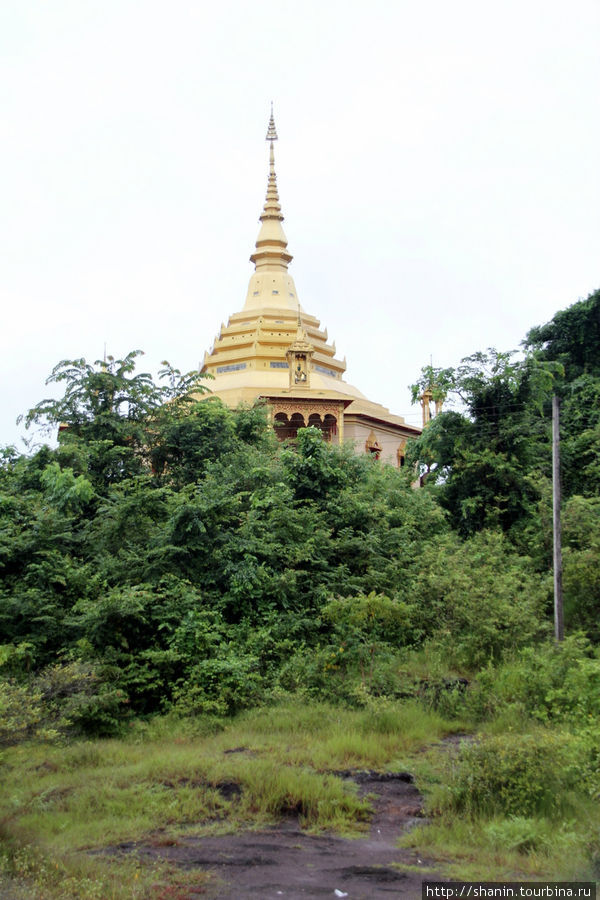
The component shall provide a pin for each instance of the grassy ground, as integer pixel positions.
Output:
(60, 803)
(472, 846)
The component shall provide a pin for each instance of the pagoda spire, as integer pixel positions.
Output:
(271, 131)
(271, 245)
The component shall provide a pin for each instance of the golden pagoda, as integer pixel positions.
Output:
(273, 350)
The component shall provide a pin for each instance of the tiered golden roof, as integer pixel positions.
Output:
(249, 357)
(251, 349)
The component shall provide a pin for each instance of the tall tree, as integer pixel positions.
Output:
(482, 458)
(107, 413)
(572, 339)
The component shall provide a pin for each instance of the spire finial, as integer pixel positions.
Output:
(272, 194)
(271, 244)
(271, 130)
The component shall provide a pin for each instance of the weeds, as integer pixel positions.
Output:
(490, 798)
(501, 848)
(173, 775)
(514, 804)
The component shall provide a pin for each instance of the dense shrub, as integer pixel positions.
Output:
(533, 835)
(549, 683)
(21, 715)
(478, 599)
(581, 561)
(222, 686)
(66, 698)
(525, 775)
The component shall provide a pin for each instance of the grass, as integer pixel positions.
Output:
(176, 776)
(499, 847)
(329, 738)
(170, 777)
(484, 849)
(27, 873)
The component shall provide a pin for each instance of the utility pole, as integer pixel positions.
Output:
(559, 631)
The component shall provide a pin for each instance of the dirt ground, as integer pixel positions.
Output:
(285, 862)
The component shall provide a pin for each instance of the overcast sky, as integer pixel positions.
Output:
(437, 166)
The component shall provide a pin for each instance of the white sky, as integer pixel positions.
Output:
(437, 165)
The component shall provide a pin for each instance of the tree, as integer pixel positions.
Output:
(572, 340)
(571, 337)
(186, 440)
(106, 416)
(581, 564)
(482, 459)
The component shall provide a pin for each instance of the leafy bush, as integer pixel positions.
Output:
(221, 686)
(477, 599)
(550, 683)
(67, 698)
(528, 835)
(581, 562)
(79, 699)
(21, 715)
(544, 773)
(365, 622)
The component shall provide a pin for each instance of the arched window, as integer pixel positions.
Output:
(329, 427)
(373, 446)
(297, 420)
(400, 453)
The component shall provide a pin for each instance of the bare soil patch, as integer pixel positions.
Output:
(286, 862)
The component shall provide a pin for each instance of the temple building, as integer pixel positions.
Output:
(274, 350)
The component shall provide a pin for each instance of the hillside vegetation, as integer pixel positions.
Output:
(172, 577)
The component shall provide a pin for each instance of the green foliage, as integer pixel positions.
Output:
(314, 468)
(488, 464)
(64, 490)
(107, 412)
(529, 835)
(184, 444)
(21, 715)
(523, 775)
(77, 699)
(101, 396)
(581, 564)
(370, 619)
(549, 683)
(16, 659)
(438, 382)
(366, 631)
(222, 685)
(481, 460)
(580, 436)
(572, 338)
(478, 599)
(66, 698)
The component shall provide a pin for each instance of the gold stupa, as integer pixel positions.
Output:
(274, 350)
